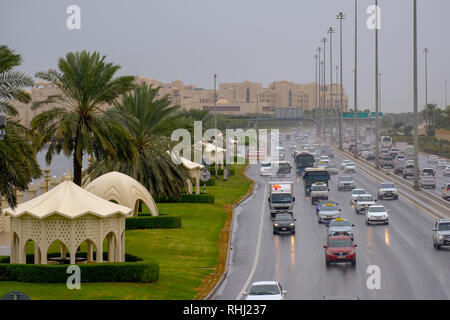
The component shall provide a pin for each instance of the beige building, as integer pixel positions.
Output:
(233, 98)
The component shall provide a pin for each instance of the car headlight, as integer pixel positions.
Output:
(276, 224)
(292, 224)
(441, 237)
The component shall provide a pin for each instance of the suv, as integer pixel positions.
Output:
(363, 202)
(441, 233)
(346, 183)
(319, 191)
(340, 249)
(387, 190)
(428, 172)
(446, 192)
(432, 159)
(399, 167)
(427, 181)
(387, 162)
(408, 171)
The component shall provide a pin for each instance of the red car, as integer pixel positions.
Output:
(340, 249)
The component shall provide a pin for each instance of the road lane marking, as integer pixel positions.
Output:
(258, 246)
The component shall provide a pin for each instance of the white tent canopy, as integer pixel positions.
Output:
(70, 201)
(122, 189)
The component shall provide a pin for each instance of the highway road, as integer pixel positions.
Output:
(410, 267)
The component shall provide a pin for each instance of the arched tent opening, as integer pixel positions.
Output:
(31, 247)
(111, 245)
(87, 250)
(15, 248)
(58, 252)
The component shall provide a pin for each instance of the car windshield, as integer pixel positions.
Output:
(340, 243)
(283, 217)
(265, 165)
(387, 159)
(444, 227)
(284, 168)
(358, 191)
(339, 223)
(377, 209)
(349, 164)
(281, 198)
(346, 178)
(387, 186)
(319, 188)
(331, 167)
(365, 198)
(266, 289)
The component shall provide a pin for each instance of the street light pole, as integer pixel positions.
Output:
(330, 31)
(377, 125)
(416, 117)
(341, 17)
(446, 103)
(425, 51)
(316, 57)
(324, 40)
(215, 127)
(355, 102)
(318, 112)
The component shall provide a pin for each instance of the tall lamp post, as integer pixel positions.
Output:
(416, 116)
(215, 127)
(316, 57)
(319, 49)
(377, 105)
(355, 102)
(425, 51)
(341, 17)
(324, 40)
(330, 31)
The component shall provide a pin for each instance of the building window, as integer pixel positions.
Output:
(290, 98)
(247, 95)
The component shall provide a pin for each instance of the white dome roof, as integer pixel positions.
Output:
(123, 189)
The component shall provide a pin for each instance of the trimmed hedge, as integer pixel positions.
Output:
(146, 222)
(212, 169)
(210, 182)
(96, 272)
(189, 198)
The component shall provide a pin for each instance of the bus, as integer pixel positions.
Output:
(386, 142)
(303, 160)
(313, 175)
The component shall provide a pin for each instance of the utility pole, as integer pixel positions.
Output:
(330, 31)
(215, 127)
(425, 51)
(341, 17)
(377, 124)
(416, 116)
(355, 102)
(316, 57)
(324, 40)
(319, 49)
(446, 103)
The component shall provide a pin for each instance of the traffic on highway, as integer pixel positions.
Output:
(348, 233)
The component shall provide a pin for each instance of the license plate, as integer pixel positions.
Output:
(284, 229)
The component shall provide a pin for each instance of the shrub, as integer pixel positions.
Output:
(212, 169)
(101, 272)
(189, 198)
(146, 222)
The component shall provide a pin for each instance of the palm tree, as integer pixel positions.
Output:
(75, 125)
(150, 122)
(18, 165)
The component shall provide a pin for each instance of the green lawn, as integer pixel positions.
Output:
(186, 255)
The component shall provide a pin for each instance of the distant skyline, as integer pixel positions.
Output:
(255, 40)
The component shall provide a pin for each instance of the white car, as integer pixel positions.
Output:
(266, 169)
(265, 290)
(363, 202)
(355, 194)
(350, 167)
(446, 192)
(432, 159)
(400, 158)
(388, 190)
(344, 163)
(377, 214)
(324, 158)
(447, 170)
(441, 163)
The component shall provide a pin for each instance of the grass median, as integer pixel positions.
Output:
(186, 256)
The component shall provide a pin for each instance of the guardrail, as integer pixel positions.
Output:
(440, 205)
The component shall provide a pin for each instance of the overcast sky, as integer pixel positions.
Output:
(256, 40)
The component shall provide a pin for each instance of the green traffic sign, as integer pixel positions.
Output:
(374, 114)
